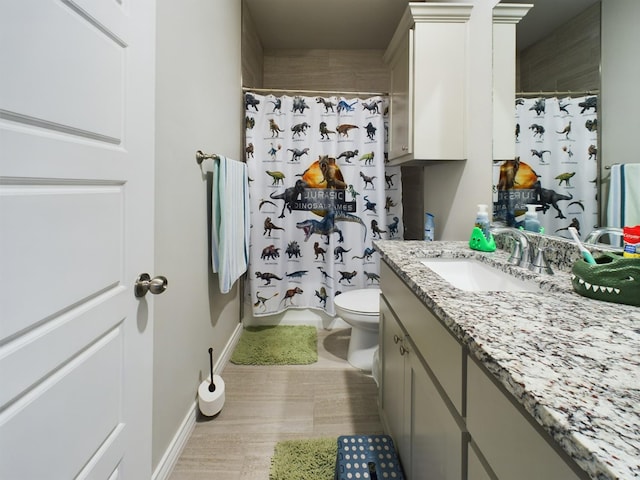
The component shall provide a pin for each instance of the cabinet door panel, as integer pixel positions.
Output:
(439, 93)
(475, 469)
(392, 382)
(512, 446)
(436, 438)
(401, 101)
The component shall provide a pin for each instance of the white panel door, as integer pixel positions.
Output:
(76, 229)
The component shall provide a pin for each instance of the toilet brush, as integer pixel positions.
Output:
(212, 387)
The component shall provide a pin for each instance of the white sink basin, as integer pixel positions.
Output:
(471, 275)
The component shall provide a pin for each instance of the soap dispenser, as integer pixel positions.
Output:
(531, 222)
(481, 237)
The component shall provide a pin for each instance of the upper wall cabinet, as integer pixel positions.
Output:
(505, 18)
(427, 93)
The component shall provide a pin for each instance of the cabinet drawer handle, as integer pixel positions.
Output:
(404, 148)
(396, 339)
(403, 350)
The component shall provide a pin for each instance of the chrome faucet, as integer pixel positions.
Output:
(595, 235)
(521, 254)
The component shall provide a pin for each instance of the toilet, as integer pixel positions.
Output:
(361, 309)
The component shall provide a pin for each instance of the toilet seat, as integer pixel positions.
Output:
(363, 301)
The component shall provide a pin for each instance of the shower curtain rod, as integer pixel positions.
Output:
(568, 93)
(314, 92)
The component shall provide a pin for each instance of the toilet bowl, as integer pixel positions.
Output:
(361, 309)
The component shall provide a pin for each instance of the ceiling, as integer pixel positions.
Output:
(369, 24)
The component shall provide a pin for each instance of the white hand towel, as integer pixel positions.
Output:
(623, 207)
(229, 221)
(631, 194)
(614, 203)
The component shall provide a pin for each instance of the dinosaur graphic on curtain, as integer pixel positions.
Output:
(320, 193)
(555, 165)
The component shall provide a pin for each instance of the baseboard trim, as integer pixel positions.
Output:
(175, 448)
(225, 356)
(173, 452)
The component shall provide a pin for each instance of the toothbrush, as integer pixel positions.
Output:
(586, 254)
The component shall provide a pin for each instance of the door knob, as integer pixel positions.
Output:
(144, 283)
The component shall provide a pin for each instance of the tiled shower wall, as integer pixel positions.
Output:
(567, 59)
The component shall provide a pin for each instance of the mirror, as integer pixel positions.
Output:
(556, 119)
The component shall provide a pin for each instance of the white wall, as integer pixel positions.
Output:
(620, 77)
(619, 101)
(199, 106)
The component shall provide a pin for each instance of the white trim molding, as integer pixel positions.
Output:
(181, 437)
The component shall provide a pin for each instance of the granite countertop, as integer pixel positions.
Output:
(572, 362)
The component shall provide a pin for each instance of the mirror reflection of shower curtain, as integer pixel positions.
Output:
(555, 165)
(320, 193)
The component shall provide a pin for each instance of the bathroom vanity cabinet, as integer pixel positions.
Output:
(421, 396)
(446, 414)
(427, 60)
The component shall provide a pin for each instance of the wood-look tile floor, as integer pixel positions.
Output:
(265, 405)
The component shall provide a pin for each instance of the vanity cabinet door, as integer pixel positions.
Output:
(436, 439)
(512, 446)
(392, 384)
(475, 469)
(416, 412)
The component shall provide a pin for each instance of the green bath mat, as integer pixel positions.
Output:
(313, 459)
(277, 345)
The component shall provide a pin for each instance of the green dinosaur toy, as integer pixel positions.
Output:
(479, 242)
(613, 278)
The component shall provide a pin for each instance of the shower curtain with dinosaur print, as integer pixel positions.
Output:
(320, 193)
(555, 165)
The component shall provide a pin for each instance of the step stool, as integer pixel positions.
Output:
(368, 457)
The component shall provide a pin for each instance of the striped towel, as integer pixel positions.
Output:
(623, 208)
(229, 221)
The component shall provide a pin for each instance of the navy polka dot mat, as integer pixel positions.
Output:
(367, 457)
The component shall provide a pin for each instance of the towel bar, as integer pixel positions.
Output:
(201, 156)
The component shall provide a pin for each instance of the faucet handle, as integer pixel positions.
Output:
(516, 252)
(539, 262)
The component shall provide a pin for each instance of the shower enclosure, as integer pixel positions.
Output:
(320, 193)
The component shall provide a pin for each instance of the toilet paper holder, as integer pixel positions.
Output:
(211, 392)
